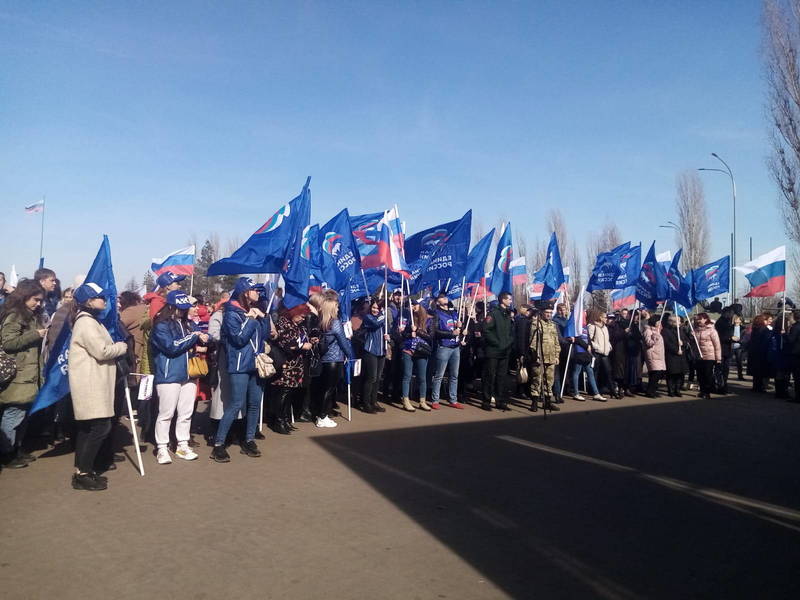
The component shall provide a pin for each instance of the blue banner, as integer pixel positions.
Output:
(442, 252)
(711, 279)
(476, 261)
(551, 275)
(651, 286)
(680, 287)
(501, 268)
(270, 247)
(302, 253)
(340, 261)
(607, 269)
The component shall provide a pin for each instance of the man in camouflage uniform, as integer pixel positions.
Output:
(544, 350)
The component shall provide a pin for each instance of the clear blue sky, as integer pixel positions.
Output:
(155, 121)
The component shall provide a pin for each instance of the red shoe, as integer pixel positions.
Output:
(457, 405)
(435, 405)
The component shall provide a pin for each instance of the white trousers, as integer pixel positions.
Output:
(175, 398)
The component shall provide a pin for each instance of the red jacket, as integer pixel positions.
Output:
(156, 302)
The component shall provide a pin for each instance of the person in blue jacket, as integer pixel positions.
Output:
(172, 339)
(244, 331)
(337, 350)
(375, 339)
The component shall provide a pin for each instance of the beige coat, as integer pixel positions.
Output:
(92, 370)
(599, 338)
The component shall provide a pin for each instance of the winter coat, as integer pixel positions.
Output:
(243, 338)
(654, 350)
(288, 341)
(171, 343)
(677, 363)
(92, 368)
(132, 318)
(724, 327)
(444, 323)
(708, 340)
(21, 340)
(498, 333)
(793, 340)
(600, 339)
(374, 328)
(522, 335)
(339, 347)
(619, 350)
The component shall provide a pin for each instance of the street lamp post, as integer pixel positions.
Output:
(727, 171)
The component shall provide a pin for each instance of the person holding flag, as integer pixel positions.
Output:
(498, 337)
(92, 378)
(337, 349)
(21, 338)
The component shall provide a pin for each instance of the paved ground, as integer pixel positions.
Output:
(634, 499)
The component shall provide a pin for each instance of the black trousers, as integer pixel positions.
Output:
(705, 375)
(493, 378)
(371, 370)
(331, 372)
(674, 381)
(89, 438)
(653, 377)
(603, 373)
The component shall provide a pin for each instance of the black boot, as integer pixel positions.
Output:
(534, 407)
(548, 403)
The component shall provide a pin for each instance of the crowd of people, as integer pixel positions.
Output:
(254, 361)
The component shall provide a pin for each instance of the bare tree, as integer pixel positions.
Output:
(782, 71)
(694, 233)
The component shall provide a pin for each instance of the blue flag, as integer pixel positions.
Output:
(270, 247)
(501, 268)
(476, 261)
(551, 275)
(442, 253)
(630, 264)
(712, 279)
(607, 269)
(56, 382)
(340, 261)
(680, 287)
(300, 263)
(651, 286)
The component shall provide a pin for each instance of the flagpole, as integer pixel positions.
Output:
(385, 306)
(191, 283)
(41, 238)
(366, 287)
(133, 428)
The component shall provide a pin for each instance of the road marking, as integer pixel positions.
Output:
(772, 513)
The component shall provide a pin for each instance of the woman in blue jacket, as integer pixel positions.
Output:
(172, 340)
(244, 331)
(375, 340)
(338, 349)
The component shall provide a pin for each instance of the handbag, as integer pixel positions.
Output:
(265, 364)
(522, 373)
(422, 349)
(198, 367)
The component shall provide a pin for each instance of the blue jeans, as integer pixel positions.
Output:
(576, 372)
(13, 415)
(410, 365)
(245, 392)
(446, 357)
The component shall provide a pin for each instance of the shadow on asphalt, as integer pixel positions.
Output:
(547, 520)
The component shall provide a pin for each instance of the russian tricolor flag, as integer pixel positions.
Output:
(766, 274)
(180, 262)
(519, 271)
(623, 298)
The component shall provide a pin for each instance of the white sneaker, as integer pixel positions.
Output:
(578, 397)
(328, 422)
(163, 457)
(186, 453)
(599, 397)
(320, 422)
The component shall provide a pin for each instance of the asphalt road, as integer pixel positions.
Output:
(636, 498)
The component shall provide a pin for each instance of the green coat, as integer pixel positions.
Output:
(498, 333)
(21, 340)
